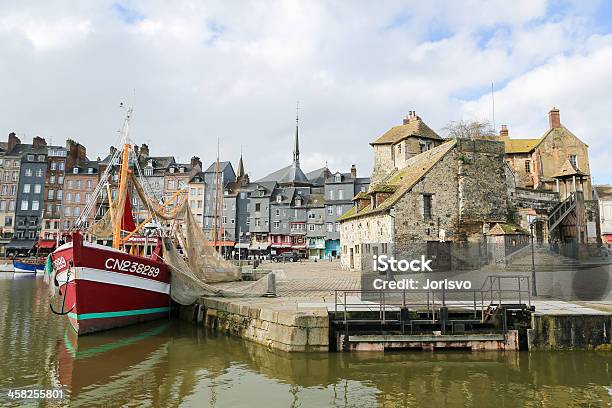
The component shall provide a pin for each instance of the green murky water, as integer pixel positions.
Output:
(172, 364)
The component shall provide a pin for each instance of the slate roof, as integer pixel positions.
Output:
(287, 175)
(213, 167)
(317, 177)
(401, 181)
(415, 127)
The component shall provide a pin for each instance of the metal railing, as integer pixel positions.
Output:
(480, 303)
(560, 211)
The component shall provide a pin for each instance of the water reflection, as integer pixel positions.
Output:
(167, 363)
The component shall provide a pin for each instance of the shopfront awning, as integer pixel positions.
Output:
(259, 247)
(20, 244)
(242, 245)
(47, 244)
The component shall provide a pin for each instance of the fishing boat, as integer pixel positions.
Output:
(102, 287)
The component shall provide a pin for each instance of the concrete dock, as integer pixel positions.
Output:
(298, 320)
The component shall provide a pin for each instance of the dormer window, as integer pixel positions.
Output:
(298, 202)
(279, 198)
(338, 178)
(181, 170)
(90, 170)
(150, 163)
(75, 170)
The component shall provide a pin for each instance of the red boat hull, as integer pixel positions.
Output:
(104, 288)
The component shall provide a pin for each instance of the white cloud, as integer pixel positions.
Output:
(208, 70)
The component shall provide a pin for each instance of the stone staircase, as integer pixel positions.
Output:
(545, 261)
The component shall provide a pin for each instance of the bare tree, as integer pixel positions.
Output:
(471, 129)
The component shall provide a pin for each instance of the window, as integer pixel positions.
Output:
(331, 194)
(60, 194)
(53, 165)
(257, 207)
(77, 197)
(39, 172)
(527, 166)
(224, 219)
(50, 194)
(3, 205)
(311, 216)
(69, 196)
(67, 211)
(330, 210)
(12, 205)
(337, 227)
(8, 221)
(330, 227)
(298, 202)
(26, 188)
(340, 194)
(90, 170)
(171, 184)
(52, 179)
(13, 190)
(276, 224)
(16, 175)
(41, 157)
(28, 172)
(427, 210)
(311, 227)
(24, 205)
(76, 211)
(60, 179)
(279, 198)
(573, 159)
(257, 222)
(89, 184)
(35, 205)
(37, 188)
(78, 184)
(30, 157)
(277, 212)
(148, 172)
(339, 210)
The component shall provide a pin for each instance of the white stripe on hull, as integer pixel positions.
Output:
(114, 278)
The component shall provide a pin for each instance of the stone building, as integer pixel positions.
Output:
(393, 149)
(452, 193)
(556, 168)
(196, 197)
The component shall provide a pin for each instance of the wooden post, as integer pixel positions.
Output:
(122, 188)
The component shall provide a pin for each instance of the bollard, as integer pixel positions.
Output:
(271, 291)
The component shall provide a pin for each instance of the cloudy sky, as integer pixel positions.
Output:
(197, 71)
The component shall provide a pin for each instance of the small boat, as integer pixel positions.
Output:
(28, 266)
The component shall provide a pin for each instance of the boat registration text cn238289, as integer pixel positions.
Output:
(125, 265)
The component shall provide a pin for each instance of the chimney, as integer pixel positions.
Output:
(144, 150)
(38, 142)
(196, 162)
(13, 141)
(136, 150)
(406, 119)
(503, 131)
(554, 118)
(76, 153)
(353, 172)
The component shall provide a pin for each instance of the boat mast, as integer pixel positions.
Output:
(122, 190)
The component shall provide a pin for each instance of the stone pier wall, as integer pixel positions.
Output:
(560, 332)
(268, 324)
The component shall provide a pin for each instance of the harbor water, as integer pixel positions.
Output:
(173, 363)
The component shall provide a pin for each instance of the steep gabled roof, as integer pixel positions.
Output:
(520, 145)
(414, 127)
(502, 228)
(568, 169)
(401, 181)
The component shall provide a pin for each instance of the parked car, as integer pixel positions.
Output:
(287, 257)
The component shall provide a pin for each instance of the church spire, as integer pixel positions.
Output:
(240, 172)
(296, 147)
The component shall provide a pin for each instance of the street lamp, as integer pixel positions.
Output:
(532, 220)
